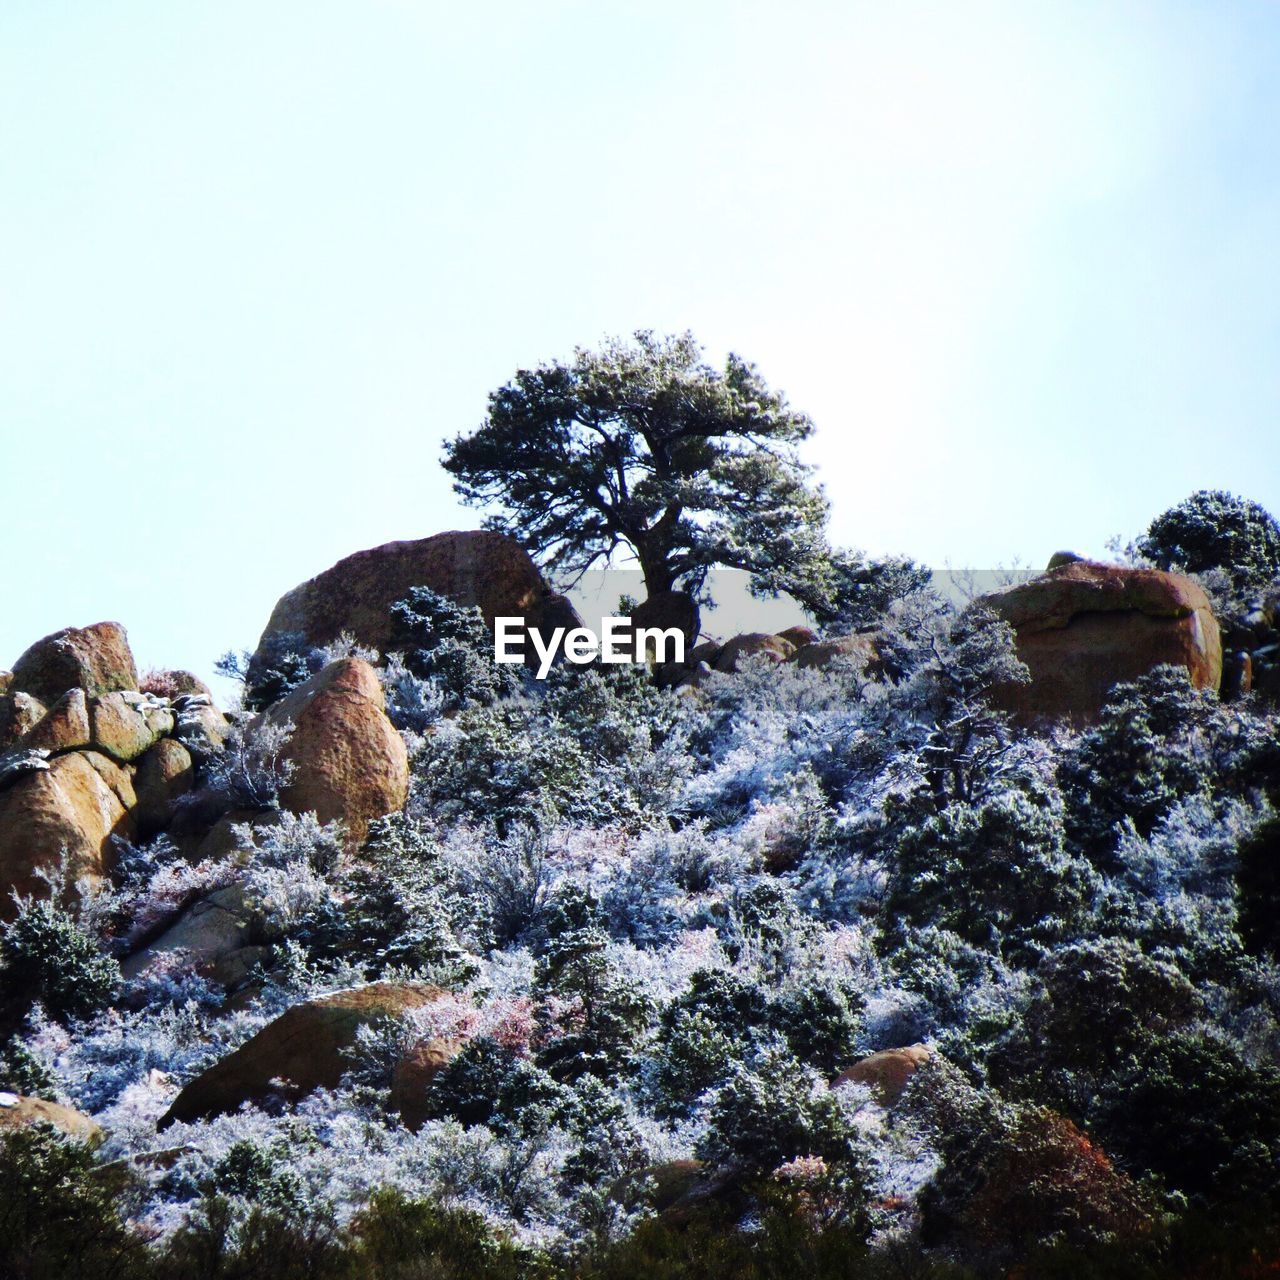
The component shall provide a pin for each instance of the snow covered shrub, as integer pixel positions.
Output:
(292, 840)
(592, 1015)
(1149, 750)
(774, 1109)
(1096, 1007)
(249, 772)
(45, 956)
(489, 1083)
(1213, 529)
(413, 704)
(451, 646)
(153, 883)
(502, 763)
(1190, 1110)
(500, 882)
(993, 871)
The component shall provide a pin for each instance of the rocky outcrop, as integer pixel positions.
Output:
(488, 570)
(164, 775)
(350, 763)
(300, 1051)
(208, 931)
(96, 659)
(750, 645)
(862, 650)
(85, 757)
(64, 727)
(20, 1112)
(886, 1073)
(127, 724)
(19, 714)
(73, 806)
(1084, 627)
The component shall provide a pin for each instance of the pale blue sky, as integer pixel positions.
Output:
(1019, 261)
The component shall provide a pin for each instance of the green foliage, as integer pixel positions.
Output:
(994, 872)
(1213, 529)
(47, 957)
(1190, 1110)
(599, 1013)
(21, 1071)
(254, 1173)
(488, 1083)
(398, 1238)
(453, 646)
(864, 590)
(642, 444)
(1149, 749)
(820, 1023)
(59, 1211)
(774, 1110)
(1097, 1009)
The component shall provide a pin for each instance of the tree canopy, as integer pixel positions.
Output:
(642, 445)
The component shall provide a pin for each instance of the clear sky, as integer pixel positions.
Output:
(1020, 262)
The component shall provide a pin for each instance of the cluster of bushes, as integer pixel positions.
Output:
(665, 925)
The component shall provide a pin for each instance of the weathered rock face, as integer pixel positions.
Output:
(886, 1073)
(20, 1112)
(64, 727)
(488, 570)
(77, 803)
(19, 714)
(164, 775)
(127, 724)
(351, 764)
(861, 649)
(775, 648)
(412, 1078)
(302, 1047)
(96, 659)
(1084, 627)
(207, 931)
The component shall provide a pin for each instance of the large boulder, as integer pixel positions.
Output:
(350, 763)
(1083, 627)
(127, 724)
(413, 1075)
(20, 1112)
(488, 570)
(208, 930)
(164, 775)
(64, 727)
(96, 659)
(753, 644)
(886, 1073)
(862, 650)
(74, 805)
(19, 714)
(299, 1051)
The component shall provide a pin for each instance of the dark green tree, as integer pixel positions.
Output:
(642, 445)
(1213, 529)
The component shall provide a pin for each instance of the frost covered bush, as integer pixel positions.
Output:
(249, 772)
(774, 1109)
(451, 646)
(1213, 529)
(152, 884)
(46, 957)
